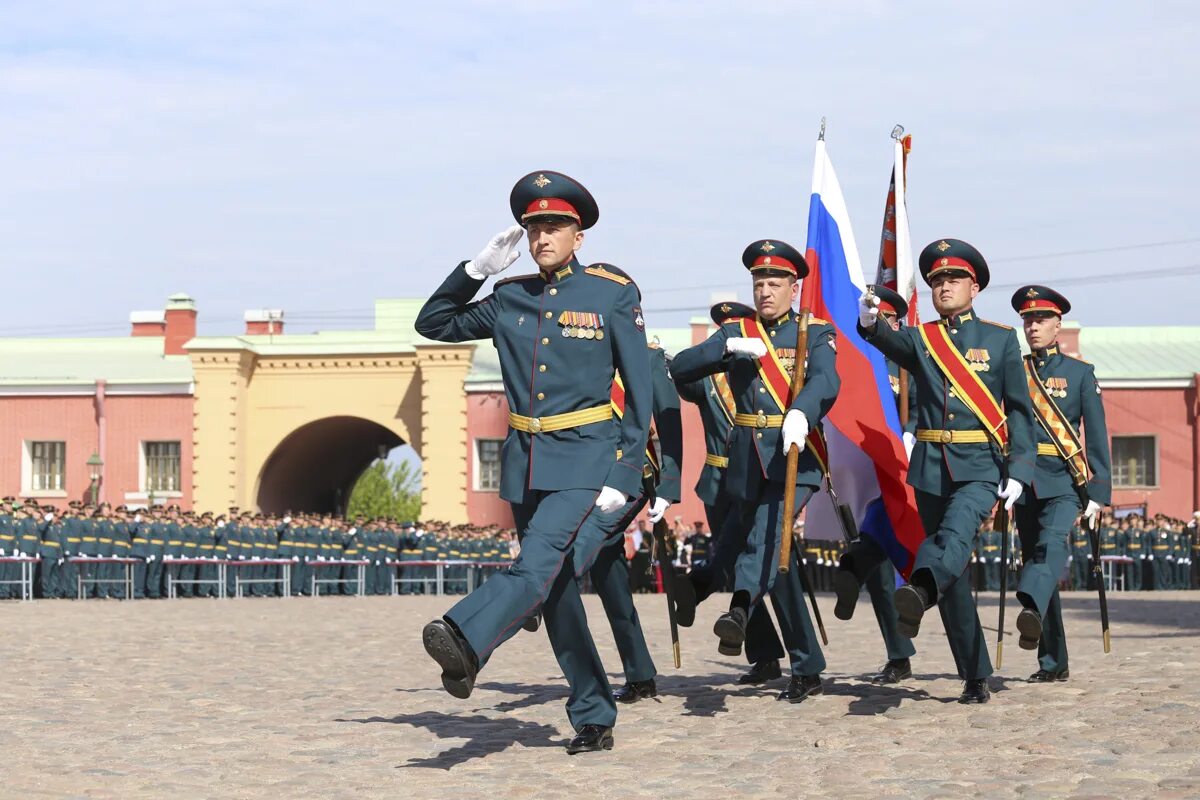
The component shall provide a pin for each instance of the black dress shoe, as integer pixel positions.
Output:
(975, 692)
(531, 624)
(1029, 625)
(1045, 676)
(911, 602)
(801, 687)
(453, 655)
(590, 739)
(846, 587)
(761, 672)
(685, 602)
(894, 671)
(633, 691)
(730, 627)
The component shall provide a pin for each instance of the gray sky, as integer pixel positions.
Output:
(315, 156)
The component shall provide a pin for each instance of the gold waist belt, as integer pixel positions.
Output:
(1047, 449)
(952, 437)
(711, 460)
(559, 422)
(759, 420)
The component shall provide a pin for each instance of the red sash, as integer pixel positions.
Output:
(965, 382)
(778, 381)
(618, 405)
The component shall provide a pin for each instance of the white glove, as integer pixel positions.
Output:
(287, 520)
(150, 559)
(751, 347)
(295, 558)
(795, 429)
(658, 508)
(1089, 513)
(48, 518)
(910, 441)
(995, 561)
(1149, 558)
(610, 499)
(1009, 492)
(498, 255)
(868, 311)
(60, 561)
(353, 531)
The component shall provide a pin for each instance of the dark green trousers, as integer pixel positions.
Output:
(951, 524)
(1044, 526)
(543, 576)
(874, 570)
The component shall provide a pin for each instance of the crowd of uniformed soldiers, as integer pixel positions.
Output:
(169, 545)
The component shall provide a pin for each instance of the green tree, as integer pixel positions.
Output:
(386, 490)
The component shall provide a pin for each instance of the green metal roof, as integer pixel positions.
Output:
(1143, 353)
(78, 362)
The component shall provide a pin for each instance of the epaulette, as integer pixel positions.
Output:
(997, 324)
(722, 312)
(516, 278)
(818, 321)
(603, 270)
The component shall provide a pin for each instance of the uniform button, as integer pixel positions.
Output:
(758, 435)
(954, 330)
(545, 340)
(542, 368)
(1041, 363)
(553, 290)
(548, 314)
(772, 333)
(762, 389)
(949, 416)
(541, 396)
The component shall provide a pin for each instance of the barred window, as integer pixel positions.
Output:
(487, 464)
(1134, 461)
(162, 466)
(48, 464)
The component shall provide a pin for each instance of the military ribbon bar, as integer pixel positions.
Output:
(966, 383)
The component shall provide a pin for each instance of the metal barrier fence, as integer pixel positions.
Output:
(438, 581)
(81, 576)
(173, 581)
(359, 580)
(284, 580)
(28, 567)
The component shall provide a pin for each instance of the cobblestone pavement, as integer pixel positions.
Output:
(336, 698)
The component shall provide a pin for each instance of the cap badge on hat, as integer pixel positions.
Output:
(541, 181)
(944, 262)
(725, 309)
(544, 203)
(1032, 293)
(767, 247)
(943, 246)
(767, 260)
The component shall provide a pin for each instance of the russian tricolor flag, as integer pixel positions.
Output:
(866, 453)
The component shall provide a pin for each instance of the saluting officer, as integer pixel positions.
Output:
(562, 334)
(866, 563)
(968, 450)
(1065, 394)
(758, 354)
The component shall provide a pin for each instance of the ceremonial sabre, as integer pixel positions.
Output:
(662, 554)
(1002, 522)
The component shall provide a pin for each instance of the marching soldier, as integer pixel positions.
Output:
(865, 563)
(717, 407)
(968, 450)
(758, 354)
(563, 333)
(600, 545)
(1065, 396)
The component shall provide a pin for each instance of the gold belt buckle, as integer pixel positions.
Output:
(535, 425)
(761, 420)
(947, 437)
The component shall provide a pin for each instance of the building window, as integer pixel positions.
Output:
(1134, 461)
(47, 461)
(487, 464)
(162, 466)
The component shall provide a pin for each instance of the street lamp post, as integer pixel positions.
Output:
(95, 464)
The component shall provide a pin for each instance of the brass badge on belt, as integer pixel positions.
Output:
(581, 325)
(977, 358)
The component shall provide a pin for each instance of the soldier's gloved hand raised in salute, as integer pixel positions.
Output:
(610, 499)
(1009, 491)
(868, 311)
(658, 508)
(498, 255)
(751, 347)
(795, 430)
